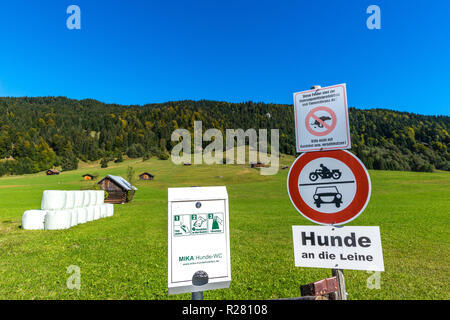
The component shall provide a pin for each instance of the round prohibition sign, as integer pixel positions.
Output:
(338, 215)
(311, 116)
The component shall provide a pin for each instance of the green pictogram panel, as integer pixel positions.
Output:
(197, 224)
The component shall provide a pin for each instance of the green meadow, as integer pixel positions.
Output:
(125, 256)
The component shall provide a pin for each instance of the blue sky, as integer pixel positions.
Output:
(137, 52)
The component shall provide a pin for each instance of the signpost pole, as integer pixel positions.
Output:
(197, 295)
(339, 274)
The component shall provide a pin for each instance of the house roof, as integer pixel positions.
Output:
(149, 174)
(87, 174)
(53, 170)
(121, 182)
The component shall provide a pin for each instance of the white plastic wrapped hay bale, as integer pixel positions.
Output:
(90, 213)
(87, 199)
(93, 197)
(79, 199)
(82, 215)
(58, 220)
(97, 212)
(103, 211)
(74, 214)
(100, 197)
(33, 219)
(53, 200)
(109, 209)
(70, 200)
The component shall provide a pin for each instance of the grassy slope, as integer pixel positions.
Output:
(125, 257)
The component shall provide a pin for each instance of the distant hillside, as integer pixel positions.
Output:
(40, 133)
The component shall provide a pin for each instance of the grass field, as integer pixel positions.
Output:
(125, 256)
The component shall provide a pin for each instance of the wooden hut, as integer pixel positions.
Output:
(88, 176)
(146, 176)
(257, 165)
(51, 172)
(119, 190)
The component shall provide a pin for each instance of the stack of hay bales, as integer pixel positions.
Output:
(65, 209)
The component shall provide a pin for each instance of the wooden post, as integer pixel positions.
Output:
(339, 274)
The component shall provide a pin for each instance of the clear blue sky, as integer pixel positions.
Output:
(137, 52)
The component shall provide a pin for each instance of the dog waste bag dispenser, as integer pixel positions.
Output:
(199, 238)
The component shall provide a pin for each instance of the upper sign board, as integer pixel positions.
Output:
(199, 238)
(354, 248)
(330, 187)
(321, 119)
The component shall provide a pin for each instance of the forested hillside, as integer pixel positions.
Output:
(41, 133)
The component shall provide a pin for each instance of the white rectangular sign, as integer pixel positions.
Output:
(354, 248)
(199, 238)
(321, 119)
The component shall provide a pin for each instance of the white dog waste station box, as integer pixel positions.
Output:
(199, 238)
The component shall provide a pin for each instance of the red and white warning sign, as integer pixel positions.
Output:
(321, 119)
(330, 188)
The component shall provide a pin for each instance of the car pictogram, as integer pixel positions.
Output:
(327, 195)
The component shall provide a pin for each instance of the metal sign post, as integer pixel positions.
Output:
(341, 293)
(339, 274)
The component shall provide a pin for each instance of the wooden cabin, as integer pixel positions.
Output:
(51, 172)
(146, 176)
(119, 190)
(257, 165)
(88, 176)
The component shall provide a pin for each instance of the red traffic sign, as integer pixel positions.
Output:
(330, 187)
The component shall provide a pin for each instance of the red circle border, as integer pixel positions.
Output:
(360, 201)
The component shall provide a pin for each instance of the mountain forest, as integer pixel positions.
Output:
(40, 133)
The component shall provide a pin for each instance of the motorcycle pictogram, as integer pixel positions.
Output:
(325, 173)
